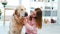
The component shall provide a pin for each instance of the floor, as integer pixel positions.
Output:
(46, 28)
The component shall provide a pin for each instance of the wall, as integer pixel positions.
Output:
(58, 13)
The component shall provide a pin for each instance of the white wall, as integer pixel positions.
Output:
(26, 3)
(58, 13)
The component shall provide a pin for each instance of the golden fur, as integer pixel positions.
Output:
(17, 21)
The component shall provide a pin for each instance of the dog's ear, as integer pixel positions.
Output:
(16, 13)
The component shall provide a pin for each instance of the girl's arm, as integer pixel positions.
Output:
(28, 26)
(31, 28)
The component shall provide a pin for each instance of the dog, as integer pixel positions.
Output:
(16, 24)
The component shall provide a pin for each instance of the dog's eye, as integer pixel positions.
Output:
(21, 9)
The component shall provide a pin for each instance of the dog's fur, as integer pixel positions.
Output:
(17, 21)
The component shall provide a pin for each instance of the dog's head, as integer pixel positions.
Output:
(21, 10)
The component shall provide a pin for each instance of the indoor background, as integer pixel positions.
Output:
(50, 11)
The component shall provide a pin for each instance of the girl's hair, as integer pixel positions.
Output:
(39, 17)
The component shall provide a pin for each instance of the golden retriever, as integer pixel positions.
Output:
(16, 24)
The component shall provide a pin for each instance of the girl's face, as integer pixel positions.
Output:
(33, 14)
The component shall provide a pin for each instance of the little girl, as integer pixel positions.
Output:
(33, 22)
(30, 24)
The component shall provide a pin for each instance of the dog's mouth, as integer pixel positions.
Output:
(22, 14)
